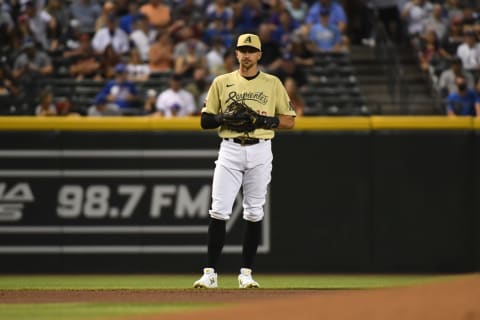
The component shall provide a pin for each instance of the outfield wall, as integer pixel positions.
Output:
(377, 194)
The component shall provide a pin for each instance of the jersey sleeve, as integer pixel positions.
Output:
(212, 102)
(284, 105)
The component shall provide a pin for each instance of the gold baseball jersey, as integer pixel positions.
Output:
(265, 94)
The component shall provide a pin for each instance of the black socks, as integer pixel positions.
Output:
(251, 239)
(216, 239)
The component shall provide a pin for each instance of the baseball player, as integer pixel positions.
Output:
(245, 105)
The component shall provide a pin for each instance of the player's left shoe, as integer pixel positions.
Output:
(245, 280)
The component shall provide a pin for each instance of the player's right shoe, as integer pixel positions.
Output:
(208, 280)
(245, 280)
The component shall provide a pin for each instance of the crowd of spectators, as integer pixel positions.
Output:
(445, 36)
(123, 43)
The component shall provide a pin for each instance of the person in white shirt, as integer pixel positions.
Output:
(40, 23)
(415, 13)
(142, 36)
(175, 101)
(137, 70)
(469, 51)
(111, 34)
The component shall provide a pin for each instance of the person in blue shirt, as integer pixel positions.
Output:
(463, 102)
(325, 36)
(120, 91)
(337, 14)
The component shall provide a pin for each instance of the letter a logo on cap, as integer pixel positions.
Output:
(249, 39)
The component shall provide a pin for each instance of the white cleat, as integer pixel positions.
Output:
(245, 280)
(208, 280)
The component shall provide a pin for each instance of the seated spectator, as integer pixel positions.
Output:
(301, 49)
(436, 22)
(102, 108)
(431, 54)
(469, 16)
(284, 27)
(111, 34)
(453, 9)
(142, 36)
(83, 63)
(31, 66)
(7, 28)
(229, 64)
(8, 88)
(86, 12)
(215, 56)
(220, 9)
(190, 12)
(137, 70)
(288, 68)
(41, 25)
(108, 60)
(198, 86)
(463, 102)
(150, 101)
(58, 10)
(416, 13)
(337, 14)
(189, 53)
(157, 13)
(120, 91)
(454, 36)
(46, 106)
(469, 52)
(217, 30)
(175, 101)
(247, 16)
(298, 9)
(161, 53)
(324, 36)
(127, 21)
(108, 10)
(271, 50)
(295, 96)
(447, 84)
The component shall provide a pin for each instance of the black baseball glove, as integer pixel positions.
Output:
(239, 117)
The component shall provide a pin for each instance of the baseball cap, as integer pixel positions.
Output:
(249, 40)
(120, 68)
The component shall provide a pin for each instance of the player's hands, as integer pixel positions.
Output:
(239, 117)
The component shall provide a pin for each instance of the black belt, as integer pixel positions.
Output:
(244, 141)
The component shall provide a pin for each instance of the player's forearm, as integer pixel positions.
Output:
(210, 121)
(286, 122)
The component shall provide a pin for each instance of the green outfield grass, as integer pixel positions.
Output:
(83, 311)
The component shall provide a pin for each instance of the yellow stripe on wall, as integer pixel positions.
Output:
(99, 123)
(193, 123)
(422, 123)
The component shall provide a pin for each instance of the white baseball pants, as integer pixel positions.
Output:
(238, 166)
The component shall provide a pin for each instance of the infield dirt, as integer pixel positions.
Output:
(456, 299)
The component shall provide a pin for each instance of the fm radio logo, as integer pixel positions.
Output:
(13, 199)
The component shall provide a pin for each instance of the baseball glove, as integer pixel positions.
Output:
(239, 117)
